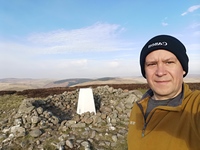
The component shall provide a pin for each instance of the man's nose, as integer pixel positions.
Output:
(161, 70)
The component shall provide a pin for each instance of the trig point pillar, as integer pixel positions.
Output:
(85, 101)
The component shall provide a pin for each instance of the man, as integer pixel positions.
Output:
(168, 115)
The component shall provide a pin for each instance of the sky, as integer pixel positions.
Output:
(60, 39)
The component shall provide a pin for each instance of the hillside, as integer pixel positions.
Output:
(9, 84)
(15, 84)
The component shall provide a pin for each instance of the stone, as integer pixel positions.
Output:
(35, 119)
(88, 120)
(86, 144)
(69, 143)
(131, 99)
(114, 138)
(35, 133)
(18, 131)
(2, 136)
(40, 110)
(18, 121)
(79, 125)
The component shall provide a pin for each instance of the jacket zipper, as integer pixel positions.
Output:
(145, 123)
(143, 129)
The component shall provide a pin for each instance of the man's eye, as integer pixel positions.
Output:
(170, 62)
(150, 64)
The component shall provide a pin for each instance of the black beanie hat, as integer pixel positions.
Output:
(168, 43)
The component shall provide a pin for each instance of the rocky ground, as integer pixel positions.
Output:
(47, 119)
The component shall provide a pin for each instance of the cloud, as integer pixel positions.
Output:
(196, 33)
(195, 29)
(195, 25)
(82, 63)
(86, 52)
(98, 37)
(164, 23)
(114, 64)
(191, 9)
(193, 47)
(94, 51)
(67, 68)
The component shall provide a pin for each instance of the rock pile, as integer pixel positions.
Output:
(52, 123)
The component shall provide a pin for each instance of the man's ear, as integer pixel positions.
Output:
(184, 72)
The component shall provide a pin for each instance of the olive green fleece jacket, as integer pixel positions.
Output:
(174, 127)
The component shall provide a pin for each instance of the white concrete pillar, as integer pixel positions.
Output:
(85, 101)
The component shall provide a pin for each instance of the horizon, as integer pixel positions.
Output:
(87, 39)
(120, 77)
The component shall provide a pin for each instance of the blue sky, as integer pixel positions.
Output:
(89, 38)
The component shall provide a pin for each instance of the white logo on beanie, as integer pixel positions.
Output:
(157, 44)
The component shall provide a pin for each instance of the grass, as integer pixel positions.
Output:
(9, 103)
(142, 90)
(48, 143)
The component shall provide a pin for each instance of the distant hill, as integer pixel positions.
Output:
(27, 83)
(20, 84)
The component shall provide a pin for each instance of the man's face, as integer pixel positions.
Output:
(164, 74)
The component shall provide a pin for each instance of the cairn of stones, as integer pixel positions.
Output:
(52, 122)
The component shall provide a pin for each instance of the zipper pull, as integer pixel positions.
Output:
(143, 133)
(143, 130)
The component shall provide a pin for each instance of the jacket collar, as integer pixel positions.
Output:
(174, 102)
